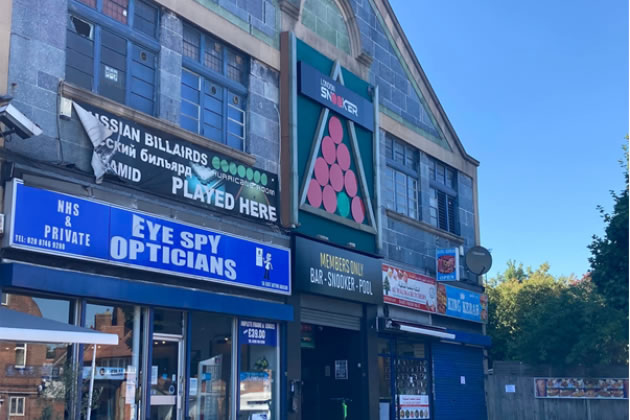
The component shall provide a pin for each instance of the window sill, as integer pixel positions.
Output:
(70, 91)
(424, 226)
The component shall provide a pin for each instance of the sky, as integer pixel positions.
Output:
(537, 91)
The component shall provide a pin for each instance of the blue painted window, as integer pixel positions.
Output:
(443, 197)
(112, 50)
(401, 178)
(214, 89)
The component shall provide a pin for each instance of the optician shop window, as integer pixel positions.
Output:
(258, 373)
(118, 368)
(210, 366)
(111, 50)
(41, 373)
(214, 88)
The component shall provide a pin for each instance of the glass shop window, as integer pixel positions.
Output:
(257, 370)
(412, 381)
(41, 373)
(118, 368)
(210, 366)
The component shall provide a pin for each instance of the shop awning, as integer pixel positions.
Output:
(426, 331)
(22, 327)
(395, 325)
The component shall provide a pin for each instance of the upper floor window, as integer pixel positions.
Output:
(20, 355)
(214, 89)
(16, 406)
(400, 190)
(443, 197)
(112, 50)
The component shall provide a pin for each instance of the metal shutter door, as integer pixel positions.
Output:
(329, 319)
(452, 400)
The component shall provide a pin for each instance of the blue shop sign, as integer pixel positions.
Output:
(466, 304)
(59, 224)
(257, 332)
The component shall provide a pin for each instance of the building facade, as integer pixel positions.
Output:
(264, 200)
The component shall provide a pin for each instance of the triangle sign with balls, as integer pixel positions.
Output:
(335, 185)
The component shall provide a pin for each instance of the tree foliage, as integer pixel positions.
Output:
(609, 260)
(537, 318)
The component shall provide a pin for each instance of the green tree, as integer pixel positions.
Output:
(537, 318)
(609, 260)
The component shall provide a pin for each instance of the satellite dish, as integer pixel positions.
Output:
(478, 260)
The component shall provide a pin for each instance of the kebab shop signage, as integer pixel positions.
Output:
(423, 293)
(332, 271)
(447, 261)
(59, 224)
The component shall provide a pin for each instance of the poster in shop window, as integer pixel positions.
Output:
(413, 407)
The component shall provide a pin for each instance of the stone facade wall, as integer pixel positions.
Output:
(397, 93)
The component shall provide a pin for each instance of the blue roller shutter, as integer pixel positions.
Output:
(453, 400)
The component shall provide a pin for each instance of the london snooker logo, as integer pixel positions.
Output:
(335, 186)
(327, 91)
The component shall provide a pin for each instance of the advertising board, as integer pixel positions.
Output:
(59, 224)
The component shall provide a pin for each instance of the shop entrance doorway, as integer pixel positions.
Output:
(166, 377)
(331, 373)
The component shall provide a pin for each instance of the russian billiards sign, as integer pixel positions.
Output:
(329, 149)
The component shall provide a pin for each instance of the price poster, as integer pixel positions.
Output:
(257, 332)
(413, 407)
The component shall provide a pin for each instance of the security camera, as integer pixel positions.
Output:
(15, 121)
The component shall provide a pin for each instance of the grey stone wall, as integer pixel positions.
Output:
(396, 92)
(264, 124)
(411, 244)
(170, 67)
(258, 17)
(36, 65)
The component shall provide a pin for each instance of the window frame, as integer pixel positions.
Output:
(4, 299)
(408, 172)
(132, 36)
(21, 347)
(17, 414)
(229, 85)
(449, 192)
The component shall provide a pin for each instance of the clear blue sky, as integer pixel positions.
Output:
(538, 92)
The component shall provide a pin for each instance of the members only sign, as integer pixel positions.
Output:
(53, 223)
(332, 271)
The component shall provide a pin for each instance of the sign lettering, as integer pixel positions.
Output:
(54, 223)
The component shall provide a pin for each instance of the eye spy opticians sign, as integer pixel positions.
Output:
(335, 96)
(332, 271)
(53, 223)
(157, 162)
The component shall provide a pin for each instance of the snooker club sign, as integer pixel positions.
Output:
(334, 95)
(332, 271)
